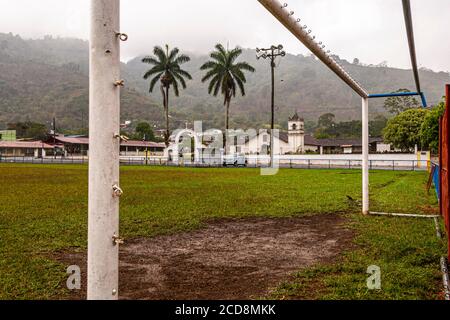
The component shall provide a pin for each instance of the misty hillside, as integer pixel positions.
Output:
(303, 84)
(43, 78)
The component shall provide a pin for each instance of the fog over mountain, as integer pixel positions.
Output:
(48, 77)
(372, 30)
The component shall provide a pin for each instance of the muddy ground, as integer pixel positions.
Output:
(228, 259)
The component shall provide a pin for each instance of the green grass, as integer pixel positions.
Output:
(44, 209)
(406, 250)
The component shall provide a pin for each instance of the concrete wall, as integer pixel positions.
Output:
(377, 160)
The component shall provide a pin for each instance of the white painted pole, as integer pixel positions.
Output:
(283, 14)
(365, 155)
(104, 126)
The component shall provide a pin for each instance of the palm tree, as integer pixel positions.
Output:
(167, 69)
(226, 75)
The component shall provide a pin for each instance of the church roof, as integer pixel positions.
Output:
(296, 117)
(284, 136)
(339, 142)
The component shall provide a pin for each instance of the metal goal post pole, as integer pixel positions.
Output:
(104, 136)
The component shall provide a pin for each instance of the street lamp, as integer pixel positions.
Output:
(271, 53)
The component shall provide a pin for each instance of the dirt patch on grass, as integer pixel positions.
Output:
(228, 259)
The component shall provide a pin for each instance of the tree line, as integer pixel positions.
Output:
(328, 128)
(415, 127)
(409, 125)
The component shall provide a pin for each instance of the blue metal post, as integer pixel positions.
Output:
(401, 94)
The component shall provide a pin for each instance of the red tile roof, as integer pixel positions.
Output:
(142, 144)
(72, 140)
(129, 143)
(25, 145)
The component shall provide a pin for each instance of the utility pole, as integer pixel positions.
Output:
(104, 139)
(301, 32)
(82, 120)
(271, 53)
(54, 137)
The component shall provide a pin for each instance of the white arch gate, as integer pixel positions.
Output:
(175, 148)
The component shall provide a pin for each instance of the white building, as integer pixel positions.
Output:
(296, 135)
(293, 142)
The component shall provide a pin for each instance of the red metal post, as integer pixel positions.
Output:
(444, 164)
(441, 124)
(446, 153)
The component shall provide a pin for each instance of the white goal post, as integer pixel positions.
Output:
(281, 12)
(104, 139)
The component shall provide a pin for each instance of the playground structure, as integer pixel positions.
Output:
(105, 84)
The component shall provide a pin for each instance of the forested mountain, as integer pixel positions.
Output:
(43, 78)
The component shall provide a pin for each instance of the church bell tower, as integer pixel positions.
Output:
(296, 130)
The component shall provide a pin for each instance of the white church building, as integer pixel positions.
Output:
(250, 142)
(290, 142)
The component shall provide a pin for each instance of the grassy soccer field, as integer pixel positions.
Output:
(43, 210)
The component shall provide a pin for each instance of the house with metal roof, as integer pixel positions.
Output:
(295, 141)
(34, 149)
(79, 145)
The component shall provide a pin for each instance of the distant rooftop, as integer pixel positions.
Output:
(129, 143)
(25, 145)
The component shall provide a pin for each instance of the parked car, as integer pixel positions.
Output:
(237, 160)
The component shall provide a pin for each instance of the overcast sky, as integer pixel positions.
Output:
(372, 30)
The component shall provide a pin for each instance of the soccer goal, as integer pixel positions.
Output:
(286, 16)
(104, 125)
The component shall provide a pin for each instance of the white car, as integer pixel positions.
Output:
(237, 160)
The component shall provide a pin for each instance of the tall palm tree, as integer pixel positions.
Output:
(167, 70)
(225, 75)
